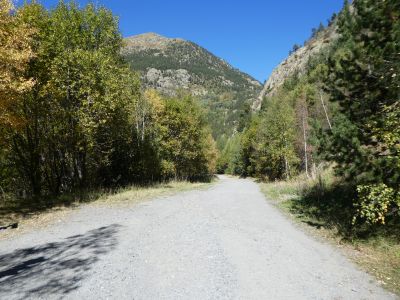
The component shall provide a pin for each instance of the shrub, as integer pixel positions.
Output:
(375, 203)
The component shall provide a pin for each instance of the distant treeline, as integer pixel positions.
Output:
(73, 115)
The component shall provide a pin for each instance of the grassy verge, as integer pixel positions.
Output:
(323, 208)
(31, 215)
(136, 194)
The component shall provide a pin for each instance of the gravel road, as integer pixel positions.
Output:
(226, 242)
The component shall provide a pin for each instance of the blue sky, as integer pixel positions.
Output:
(253, 35)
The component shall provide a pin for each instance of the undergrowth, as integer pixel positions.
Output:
(325, 206)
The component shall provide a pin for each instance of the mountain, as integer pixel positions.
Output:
(171, 64)
(296, 63)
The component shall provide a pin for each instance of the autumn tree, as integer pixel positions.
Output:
(186, 146)
(15, 54)
(77, 116)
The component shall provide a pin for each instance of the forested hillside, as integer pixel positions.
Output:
(341, 109)
(169, 65)
(73, 115)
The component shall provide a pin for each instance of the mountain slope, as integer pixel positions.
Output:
(170, 64)
(296, 63)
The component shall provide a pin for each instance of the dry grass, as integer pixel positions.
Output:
(281, 191)
(381, 258)
(377, 254)
(34, 220)
(31, 217)
(137, 194)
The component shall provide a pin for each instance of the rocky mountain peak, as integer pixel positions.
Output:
(172, 64)
(149, 40)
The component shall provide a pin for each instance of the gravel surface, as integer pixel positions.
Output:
(226, 242)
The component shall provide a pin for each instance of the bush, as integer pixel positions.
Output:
(375, 203)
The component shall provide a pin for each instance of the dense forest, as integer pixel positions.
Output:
(344, 111)
(73, 116)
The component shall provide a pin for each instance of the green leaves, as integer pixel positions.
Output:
(363, 81)
(86, 122)
(375, 202)
(267, 146)
(78, 114)
(274, 149)
(186, 145)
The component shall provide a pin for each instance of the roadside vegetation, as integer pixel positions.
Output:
(342, 113)
(342, 110)
(33, 215)
(73, 116)
(323, 207)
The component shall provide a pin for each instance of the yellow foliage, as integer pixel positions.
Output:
(155, 100)
(212, 154)
(15, 53)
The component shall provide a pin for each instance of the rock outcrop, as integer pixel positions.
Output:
(295, 64)
(171, 64)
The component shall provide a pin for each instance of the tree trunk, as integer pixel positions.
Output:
(314, 167)
(325, 110)
(305, 146)
(287, 169)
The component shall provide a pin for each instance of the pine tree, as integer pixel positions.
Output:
(364, 80)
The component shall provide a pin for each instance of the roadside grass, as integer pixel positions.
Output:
(36, 213)
(136, 194)
(323, 207)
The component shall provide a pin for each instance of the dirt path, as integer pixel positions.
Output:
(226, 242)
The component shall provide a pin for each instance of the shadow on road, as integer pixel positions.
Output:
(54, 268)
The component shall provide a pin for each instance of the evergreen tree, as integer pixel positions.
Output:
(364, 81)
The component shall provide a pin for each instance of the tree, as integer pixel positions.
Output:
(186, 146)
(15, 54)
(76, 117)
(364, 82)
(248, 149)
(332, 19)
(85, 123)
(294, 49)
(146, 136)
(268, 145)
(229, 160)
